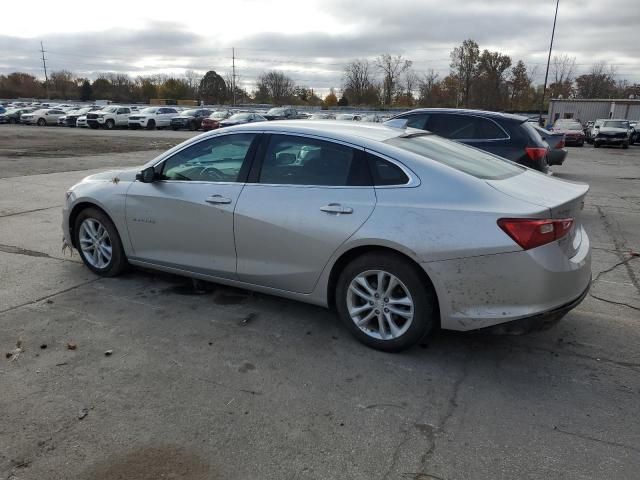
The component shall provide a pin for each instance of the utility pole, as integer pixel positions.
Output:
(546, 75)
(233, 68)
(44, 64)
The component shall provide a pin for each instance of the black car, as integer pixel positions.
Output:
(282, 113)
(509, 136)
(191, 119)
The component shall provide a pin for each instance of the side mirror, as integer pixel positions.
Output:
(148, 175)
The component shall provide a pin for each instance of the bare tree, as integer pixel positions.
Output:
(279, 87)
(392, 68)
(358, 81)
(464, 66)
(193, 79)
(427, 85)
(563, 67)
(598, 83)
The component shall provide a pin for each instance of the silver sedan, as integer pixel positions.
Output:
(398, 229)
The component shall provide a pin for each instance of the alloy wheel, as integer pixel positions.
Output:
(380, 304)
(95, 243)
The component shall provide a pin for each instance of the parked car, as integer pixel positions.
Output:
(402, 231)
(109, 117)
(153, 117)
(613, 132)
(240, 118)
(322, 116)
(635, 132)
(81, 121)
(572, 130)
(213, 121)
(71, 118)
(43, 117)
(190, 119)
(13, 115)
(351, 117)
(281, 113)
(509, 136)
(594, 129)
(556, 142)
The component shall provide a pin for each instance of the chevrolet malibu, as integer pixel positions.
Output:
(399, 230)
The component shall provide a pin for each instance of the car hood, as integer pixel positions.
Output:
(612, 130)
(233, 122)
(568, 131)
(124, 175)
(183, 117)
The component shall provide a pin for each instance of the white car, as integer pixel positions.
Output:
(82, 121)
(109, 117)
(153, 117)
(42, 117)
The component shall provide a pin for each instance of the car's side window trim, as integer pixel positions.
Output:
(244, 168)
(414, 180)
(254, 177)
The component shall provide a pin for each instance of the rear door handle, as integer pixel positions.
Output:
(336, 208)
(218, 200)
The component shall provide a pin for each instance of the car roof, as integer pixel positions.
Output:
(346, 131)
(468, 111)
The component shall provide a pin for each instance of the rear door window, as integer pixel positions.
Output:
(385, 173)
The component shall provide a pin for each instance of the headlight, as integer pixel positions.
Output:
(101, 115)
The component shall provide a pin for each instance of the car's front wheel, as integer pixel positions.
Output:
(99, 244)
(384, 301)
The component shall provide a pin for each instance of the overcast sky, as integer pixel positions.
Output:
(310, 39)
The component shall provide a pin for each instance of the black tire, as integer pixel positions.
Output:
(625, 145)
(596, 145)
(13, 121)
(422, 294)
(175, 128)
(193, 127)
(581, 144)
(109, 124)
(151, 125)
(94, 126)
(42, 122)
(118, 262)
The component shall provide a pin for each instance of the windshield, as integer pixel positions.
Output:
(616, 124)
(218, 115)
(240, 116)
(455, 155)
(149, 110)
(569, 125)
(276, 111)
(110, 109)
(189, 113)
(344, 116)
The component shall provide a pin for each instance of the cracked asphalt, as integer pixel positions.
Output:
(226, 384)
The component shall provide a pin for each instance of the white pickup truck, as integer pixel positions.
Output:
(109, 117)
(153, 117)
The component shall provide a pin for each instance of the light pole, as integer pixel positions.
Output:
(546, 75)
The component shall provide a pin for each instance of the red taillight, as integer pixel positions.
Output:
(536, 153)
(531, 233)
(560, 144)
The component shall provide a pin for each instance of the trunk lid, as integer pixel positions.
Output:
(563, 199)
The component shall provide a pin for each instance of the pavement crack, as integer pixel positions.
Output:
(49, 296)
(613, 302)
(598, 440)
(22, 251)
(29, 211)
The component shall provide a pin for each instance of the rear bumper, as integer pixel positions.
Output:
(573, 140)
(483, 291)
(540, 321)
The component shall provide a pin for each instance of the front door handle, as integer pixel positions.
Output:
(336, 208)
(218, 200)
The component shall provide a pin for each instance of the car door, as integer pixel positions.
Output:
(122, 116)
(306, 197)
(185, 218)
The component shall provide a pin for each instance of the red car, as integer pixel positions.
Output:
(213, 121)
(572, 130)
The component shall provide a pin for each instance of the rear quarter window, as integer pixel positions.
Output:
(466, 159)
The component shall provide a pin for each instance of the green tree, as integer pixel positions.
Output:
(344, 101)
(598, 83)
(86, 92)
(213, 88)
(491, 88)
(175, 88)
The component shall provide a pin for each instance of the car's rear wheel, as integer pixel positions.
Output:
(42, 122)
(384, 301)
(99, 244)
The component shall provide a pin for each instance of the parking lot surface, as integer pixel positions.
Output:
(221, 383)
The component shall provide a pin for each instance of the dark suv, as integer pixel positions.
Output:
(509, 136)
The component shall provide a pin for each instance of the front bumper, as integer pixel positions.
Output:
(569, 140)
(141, 123)
(611, 140)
